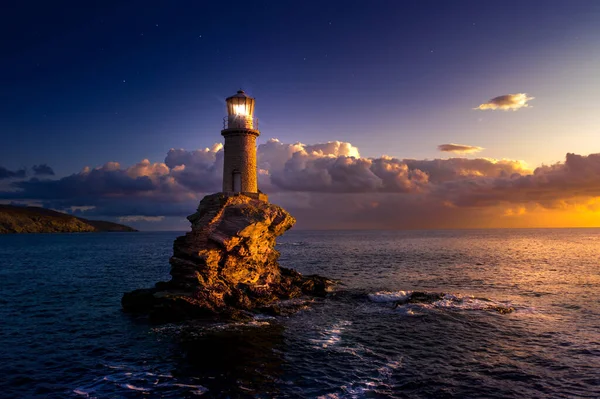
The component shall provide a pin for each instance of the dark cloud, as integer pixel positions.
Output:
(577, 177)
(199, 170)
(9, 174)
(459, 148)
(88, 184)
(442, 170)
(42, 170)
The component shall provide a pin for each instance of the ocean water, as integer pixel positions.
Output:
(63, 334)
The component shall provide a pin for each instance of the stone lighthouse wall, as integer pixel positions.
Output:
(240, 157)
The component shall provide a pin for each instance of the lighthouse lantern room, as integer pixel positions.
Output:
(240, 110)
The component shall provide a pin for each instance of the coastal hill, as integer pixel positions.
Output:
(21, 219)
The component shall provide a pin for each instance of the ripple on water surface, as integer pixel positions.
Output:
(64, 335)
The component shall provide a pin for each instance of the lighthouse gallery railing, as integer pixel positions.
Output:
(243, 122)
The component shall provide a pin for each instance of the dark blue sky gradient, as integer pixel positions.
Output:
(126, 80)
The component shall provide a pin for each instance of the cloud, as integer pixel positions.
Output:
(42, 170)
(459, 148)
(342, 174)
(9, 174)
(455, 169)
(507, 102)
(547, 186)
(332, 167)
(329, 185)
(199, 170)
(107, 180)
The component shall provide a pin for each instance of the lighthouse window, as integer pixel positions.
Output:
(240, 110)
(237, 182)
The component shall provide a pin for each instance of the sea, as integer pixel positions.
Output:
(63, 333)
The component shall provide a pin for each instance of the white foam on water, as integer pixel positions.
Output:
(197, 389)
(365, 387)
(135, 379)
(203, 329)
(468, 302)
(255, 322)
(331, 336)
(134, 388)
(454, 302)
(448, 301)
(390, 296)
(295, 243)
(357, 390)
(407, 310)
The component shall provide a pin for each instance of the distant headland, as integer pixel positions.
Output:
(31, 219)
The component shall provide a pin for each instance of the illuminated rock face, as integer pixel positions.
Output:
(227, 265)
(232, 240)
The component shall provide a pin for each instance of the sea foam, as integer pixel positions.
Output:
(390, 296)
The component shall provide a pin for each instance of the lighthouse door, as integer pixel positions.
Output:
(237, 182)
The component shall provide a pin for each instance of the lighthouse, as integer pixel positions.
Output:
(240, 130)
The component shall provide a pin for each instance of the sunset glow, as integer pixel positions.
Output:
(494, 125)
(417, 214)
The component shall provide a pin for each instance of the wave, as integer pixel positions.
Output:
(192, 329)
(331, 336)
(122, 379)
(406, 300)
(388, 296)
(295, 243)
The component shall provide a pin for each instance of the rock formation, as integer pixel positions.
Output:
(227, 265)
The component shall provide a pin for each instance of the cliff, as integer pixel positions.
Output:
(226, 267)
(19, 219)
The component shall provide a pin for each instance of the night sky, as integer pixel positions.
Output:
(121, 82)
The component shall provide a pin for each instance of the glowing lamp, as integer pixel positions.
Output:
(240, 111)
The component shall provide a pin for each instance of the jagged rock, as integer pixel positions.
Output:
(227, 265)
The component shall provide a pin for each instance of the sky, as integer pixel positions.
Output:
(381, 114)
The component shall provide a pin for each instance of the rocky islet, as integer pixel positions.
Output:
(227, 266)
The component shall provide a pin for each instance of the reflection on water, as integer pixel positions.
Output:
(244, 359)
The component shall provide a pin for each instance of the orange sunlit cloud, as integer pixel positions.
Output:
(506, 102)
(459, 148)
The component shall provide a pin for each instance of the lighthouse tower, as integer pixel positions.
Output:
(240, 130)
